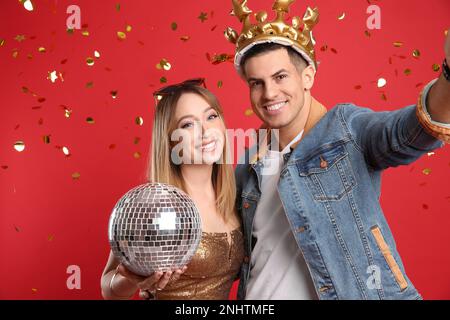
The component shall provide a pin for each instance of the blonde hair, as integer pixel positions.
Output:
(162, 169)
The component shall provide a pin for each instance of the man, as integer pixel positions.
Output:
(314, 227)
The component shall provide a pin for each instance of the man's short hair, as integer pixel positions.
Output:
(297, 60)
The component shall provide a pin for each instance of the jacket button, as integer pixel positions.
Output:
(323, 163)
(246, 259)
(301, 229)
(246, 205)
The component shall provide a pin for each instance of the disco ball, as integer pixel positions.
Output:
(154, 227)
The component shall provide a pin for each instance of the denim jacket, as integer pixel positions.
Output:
(329, 187)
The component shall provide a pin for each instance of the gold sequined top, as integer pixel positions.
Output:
(212, 270)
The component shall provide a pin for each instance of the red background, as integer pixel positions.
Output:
(48, 220)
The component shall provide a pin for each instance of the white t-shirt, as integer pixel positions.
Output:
(277, 269)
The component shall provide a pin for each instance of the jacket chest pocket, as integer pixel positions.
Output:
(328, 173)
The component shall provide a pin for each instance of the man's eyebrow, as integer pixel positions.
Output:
(272, 76)
(192, 116)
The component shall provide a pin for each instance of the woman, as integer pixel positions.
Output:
(198, 165)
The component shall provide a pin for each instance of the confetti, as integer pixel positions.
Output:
(128, 28)
(112, 146)
(27, 4)
(46, 139)
(367, 33)
(137, 155)
(69, 31)
(426, 171)
(136, 140)
(117, 6)
(219, 84)
(42, 50)
(17, 228)
(85, 33)
(96, 54)
(430, 154)
(219, 58)
(113, 94)
(248, 112)
(15, 53)
(121, 35)
(184, 38)
(174, 26)
(436, 67)
(66, 151)
(425, 206)
(90, 61)
(358, 87)
(90, 120)
(34, 290)
(76, 175)
(416, 54)
(90, 85)
(20, 38)
(381, 83)
(19, 146)
(342, 16)
(4, 167)
(203, 16)
(67, 111)
(139, 121)
(2, 42)
(163, 80)
(52, 76)
(50, 237)
(164, 64)
(407, 72)
(383, 97)
(398, 44)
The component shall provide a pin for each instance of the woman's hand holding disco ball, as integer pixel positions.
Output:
(155, 282)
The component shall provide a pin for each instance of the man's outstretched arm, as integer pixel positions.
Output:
(438, 103)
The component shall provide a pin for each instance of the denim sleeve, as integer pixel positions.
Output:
(387, 139)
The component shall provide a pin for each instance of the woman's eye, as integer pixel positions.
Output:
(213, 116)
(186, 125)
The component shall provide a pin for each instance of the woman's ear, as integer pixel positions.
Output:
(308, 75)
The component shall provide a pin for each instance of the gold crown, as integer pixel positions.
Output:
(277, 31)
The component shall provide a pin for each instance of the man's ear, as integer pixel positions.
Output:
(308, 75)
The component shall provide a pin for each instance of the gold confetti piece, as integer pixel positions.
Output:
(34, 289)
(164, 64)
(15, 53)
(367, 33)
(27, 4)
(114, 94)
(52, 76)
(426, 171)
(407, 72)
(324, 48)
(112, 146)
(85, 33)
(70, 31)
(430, 154)
(128, 28)
(342, 16)
(381, 83)
(137, 155)
(436, 67)
(219, 58)
(248, 112)
(163, 80)
(398, 44)
(383, 97)
(174, 26)
(118, 6)
(139, 121)
(19, 38)
(50, 237)
(76, 175)
(67, 111)
(90, 120)
(2, 42)
(184, 38)
(46, 139)
(416, 54)
(19, 146)
(121, 35)
(42, 50)
(90, 85)
(66, 151)
(203, 16)
(90, 61)
(136, 140)
(17, 228)
(96, 54)
(29, 56)
(220, 84)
